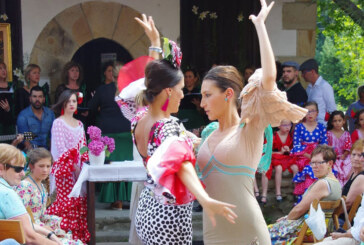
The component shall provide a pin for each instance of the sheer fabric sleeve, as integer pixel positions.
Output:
(58, 141)
(261, 107)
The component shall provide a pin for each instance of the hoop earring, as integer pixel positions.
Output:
(165, 105)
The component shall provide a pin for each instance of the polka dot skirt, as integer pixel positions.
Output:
(163, 224)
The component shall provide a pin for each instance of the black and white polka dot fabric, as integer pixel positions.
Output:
(163, 224)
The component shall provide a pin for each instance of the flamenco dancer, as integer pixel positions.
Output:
(164, 213)
(229, 157)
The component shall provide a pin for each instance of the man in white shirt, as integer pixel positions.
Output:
(318, 89)
(352, 236)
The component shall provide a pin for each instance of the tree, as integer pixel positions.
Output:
(352, 10)
(340, 51)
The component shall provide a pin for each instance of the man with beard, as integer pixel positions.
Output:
(37, 119)
(296, 94)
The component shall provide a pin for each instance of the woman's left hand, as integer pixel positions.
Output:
(262, 14)
(150, 29)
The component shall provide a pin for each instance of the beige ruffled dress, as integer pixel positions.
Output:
(228, 171)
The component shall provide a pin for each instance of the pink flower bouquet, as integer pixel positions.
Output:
(98, 143)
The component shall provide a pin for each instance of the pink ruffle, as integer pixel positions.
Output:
(263, 107)
(164, 169)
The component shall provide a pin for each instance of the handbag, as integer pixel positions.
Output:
(316, 222)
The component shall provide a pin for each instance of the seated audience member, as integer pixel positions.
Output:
(296, 94)
(355, 185)
(35, 195)
(11, 207)
(353, 236)
(37, 119)
(325, 188)
(354, 108)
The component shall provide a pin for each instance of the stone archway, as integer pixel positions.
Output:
(81, 23)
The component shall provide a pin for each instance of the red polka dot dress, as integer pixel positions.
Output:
(66, 144)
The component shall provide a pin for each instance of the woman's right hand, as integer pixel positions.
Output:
(212, 207)
(150, 29)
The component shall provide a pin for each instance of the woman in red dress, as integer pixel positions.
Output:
(68, 137)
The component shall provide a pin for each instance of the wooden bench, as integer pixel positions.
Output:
(12, 229)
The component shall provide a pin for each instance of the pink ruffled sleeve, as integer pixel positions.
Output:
(261, 107)
(164, 164)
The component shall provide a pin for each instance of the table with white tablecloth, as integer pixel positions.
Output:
(115, 171)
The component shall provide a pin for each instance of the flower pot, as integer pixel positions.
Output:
(97, 160)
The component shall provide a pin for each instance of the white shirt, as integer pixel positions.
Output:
(323, 94)
(358, 222)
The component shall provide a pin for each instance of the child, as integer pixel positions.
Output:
(340, 140)
(359, 123)
(281, 159)
(35, 195)
(306, 137)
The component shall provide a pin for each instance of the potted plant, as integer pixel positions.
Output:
(98, 146)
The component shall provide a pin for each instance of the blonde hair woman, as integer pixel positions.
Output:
(11, 207)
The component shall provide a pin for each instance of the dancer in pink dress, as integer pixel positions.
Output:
(340, 140)
(68, 137)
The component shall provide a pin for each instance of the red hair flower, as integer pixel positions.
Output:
(79, 98)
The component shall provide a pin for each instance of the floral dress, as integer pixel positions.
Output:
(342, 144)
(66, 144)
(36, 200)
(305, 141)
(164, 213)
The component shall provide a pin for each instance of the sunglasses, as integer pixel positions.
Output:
(17, 169)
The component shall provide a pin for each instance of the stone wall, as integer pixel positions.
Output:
(300, 16)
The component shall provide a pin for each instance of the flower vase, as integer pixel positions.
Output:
(97, 160)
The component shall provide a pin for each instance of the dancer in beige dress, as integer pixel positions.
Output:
(229, 157)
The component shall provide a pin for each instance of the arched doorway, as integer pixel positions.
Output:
(76, 26)
(90, 57)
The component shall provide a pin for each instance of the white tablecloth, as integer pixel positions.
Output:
(116, 171)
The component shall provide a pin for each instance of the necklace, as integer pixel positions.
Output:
(42, 192)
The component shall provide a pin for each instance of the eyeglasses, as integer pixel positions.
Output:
(357, 155)
(17, 169)
(317, 163)
(312, 111)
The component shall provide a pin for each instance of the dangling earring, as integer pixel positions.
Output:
(226, 99)
(75, 112)
(165, 105)
(62, 111)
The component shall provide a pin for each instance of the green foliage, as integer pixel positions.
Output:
(340, 51)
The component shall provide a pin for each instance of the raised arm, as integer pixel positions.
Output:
(266, 52)
(153, 35)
